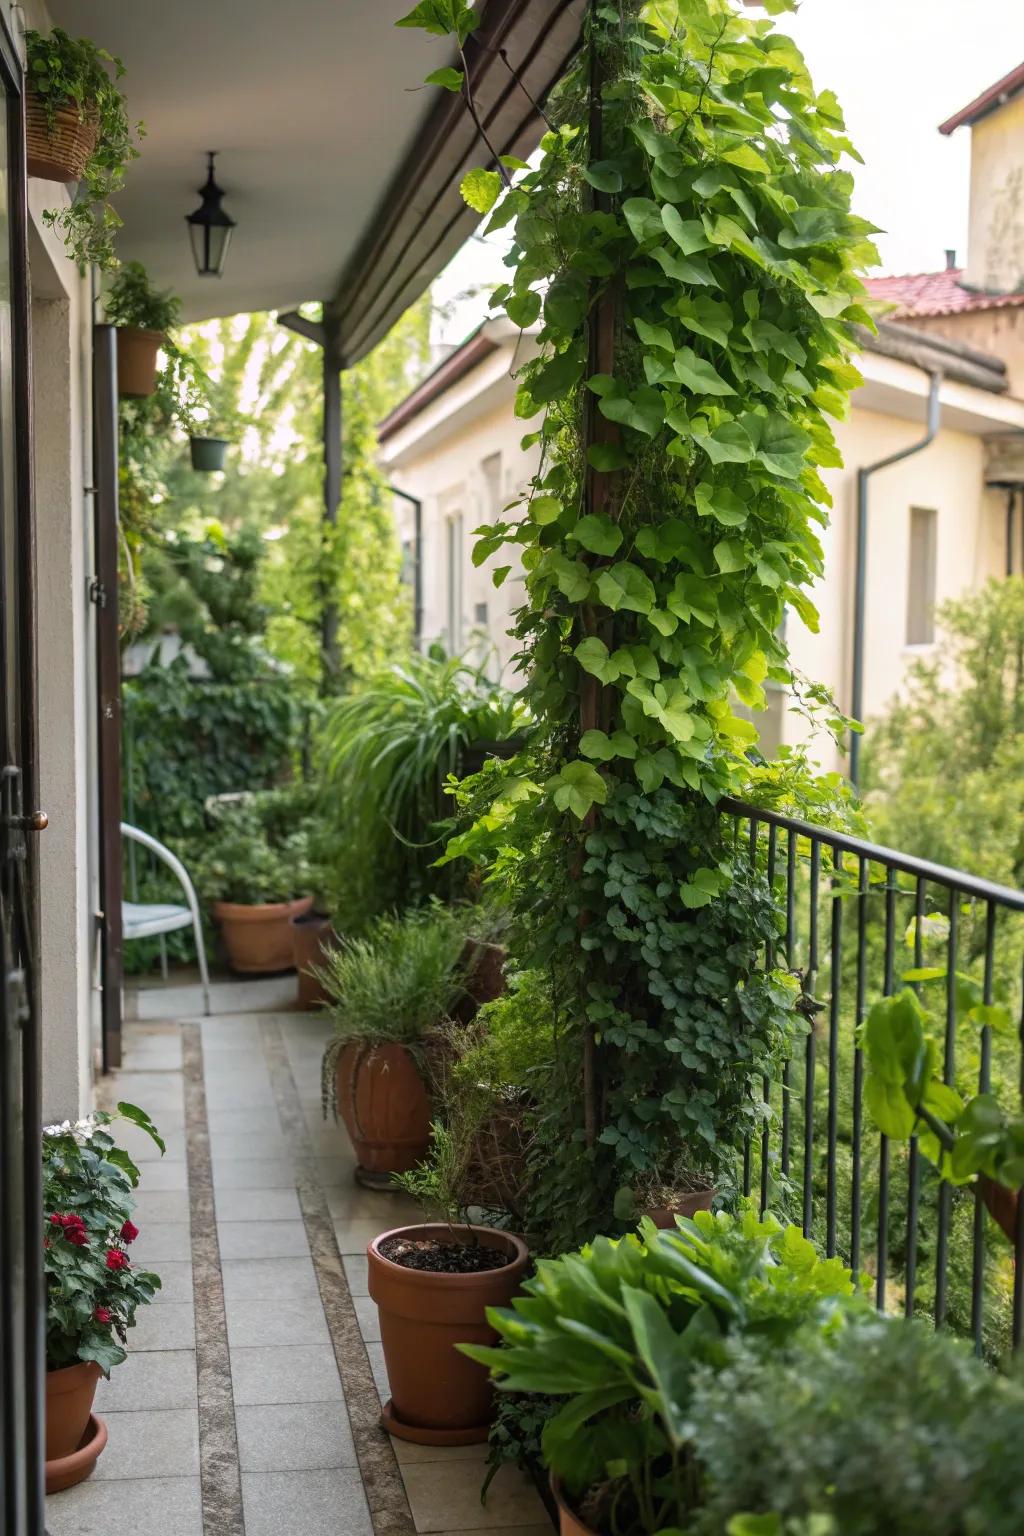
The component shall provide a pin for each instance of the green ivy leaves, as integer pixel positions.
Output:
(577, 787)
(481, 190)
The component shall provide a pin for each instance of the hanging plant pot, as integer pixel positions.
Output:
(384, 1104)
(136, 360)
(258, 939)
(438, 1396)
(74, 1435)
(208, 453)
(312, 937)
(57, 152)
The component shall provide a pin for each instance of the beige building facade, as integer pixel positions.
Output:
(936, 528)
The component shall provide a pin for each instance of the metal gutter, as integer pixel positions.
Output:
(860, 574)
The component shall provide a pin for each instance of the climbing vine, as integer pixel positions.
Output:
(686, 247)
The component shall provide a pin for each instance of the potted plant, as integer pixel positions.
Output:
(92, 1288)
(143, 317)
(77, 129)
(254, 871)
(621, 1332)
(388, 990)
(434, 1285)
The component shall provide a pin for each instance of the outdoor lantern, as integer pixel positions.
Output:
(210, 227)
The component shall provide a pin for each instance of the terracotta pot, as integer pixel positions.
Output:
(569, 1522)
(259, 939)
(384, 1103)
(66, 1471)
(208, 453)
(438, 1396)
(484, 967)
(59, 152)
(664, 1216)
(136, 360)
(1001, 1204)
(69, 1395)
(312, 937)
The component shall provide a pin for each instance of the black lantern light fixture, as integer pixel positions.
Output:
(210, 227)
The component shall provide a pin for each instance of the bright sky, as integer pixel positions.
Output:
(899, 68)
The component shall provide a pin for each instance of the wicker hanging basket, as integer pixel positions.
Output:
(59, 152)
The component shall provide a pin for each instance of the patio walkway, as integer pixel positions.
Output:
(248, 1405)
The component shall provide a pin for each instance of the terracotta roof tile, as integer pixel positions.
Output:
(935, 293)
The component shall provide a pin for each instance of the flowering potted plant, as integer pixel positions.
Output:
(92, 1287)
(143, 316)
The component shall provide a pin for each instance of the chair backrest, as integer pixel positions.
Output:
(164, 854)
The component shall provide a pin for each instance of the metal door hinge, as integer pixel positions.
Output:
(97, 592)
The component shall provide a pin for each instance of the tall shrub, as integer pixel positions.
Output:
(687, 246)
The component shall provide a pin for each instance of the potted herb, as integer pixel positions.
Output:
(254, 871)
(620, 1331)
(388, 990)
(77, 129)
(92, 1288)
(143, 317)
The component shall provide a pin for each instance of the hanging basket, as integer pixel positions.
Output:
(59, 151)
(136, 360)
(208, 453)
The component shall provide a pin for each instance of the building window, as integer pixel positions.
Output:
(490, 470)
(921, 576)
(454, 574)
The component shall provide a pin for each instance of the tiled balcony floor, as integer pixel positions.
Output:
(248, 1405)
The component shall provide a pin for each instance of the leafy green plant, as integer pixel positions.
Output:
(92, 1288)
(72, 73)
(256, 850)
(889, 1429)
(619, 1331)
(686, 246)
(395, 984)
(132, 300)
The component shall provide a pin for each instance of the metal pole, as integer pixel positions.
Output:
(861, 568)
(329, 618)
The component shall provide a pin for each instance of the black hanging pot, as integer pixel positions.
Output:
(208, 453)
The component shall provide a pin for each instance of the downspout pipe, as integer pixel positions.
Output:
(417, 565)
(861, 570)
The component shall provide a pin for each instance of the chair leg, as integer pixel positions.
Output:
(201, 956)
(163, 958)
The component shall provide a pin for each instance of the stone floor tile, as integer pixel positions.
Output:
(175, 1283)
(166, 1174)
(445, 1496)
(323, 1503)
(293, 1437)
(349, 1202)
(160, 1205)
(254, 1240)
(406, 1451)
(257, 1205)
(281, 1320)
(149, 1379)
(245, 1122)
(269, 1279)
(368, 1319)
(226, 1094)
(141, 1147)
(269, 1144)
(152, 1091)
(336, 1170)
(254, 1172)
(294, 1374)
(158, 1506)
(160, 1443)
(375, 1355)
(172, 1326)
(160, 1052)
(356, 1265)
(159, 1240)
(353, 1236)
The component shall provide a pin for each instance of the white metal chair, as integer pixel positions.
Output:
(143, 920)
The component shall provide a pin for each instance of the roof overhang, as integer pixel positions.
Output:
(340, 168)
(996, 96)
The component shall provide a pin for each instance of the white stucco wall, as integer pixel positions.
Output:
(995, 240)
(438, 456)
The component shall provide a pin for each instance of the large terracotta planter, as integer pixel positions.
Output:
(136, 360)
(384, 1103)
(259, 939)
(312, 937)
(484, 968)
(569, 1522)
(664, 1216)
(438, 1396)
(60, 152)
(74, 1436)
(1001, 1204)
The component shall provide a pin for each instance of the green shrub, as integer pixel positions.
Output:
(256, 851)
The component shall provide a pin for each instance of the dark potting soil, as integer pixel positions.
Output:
(443, 1258)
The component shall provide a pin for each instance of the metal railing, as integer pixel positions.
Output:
(851, 909)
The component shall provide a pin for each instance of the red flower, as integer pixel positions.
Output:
(103, 1314)
(56, 1221)
(116, 1259)
(129, 1232)
(77, 1235)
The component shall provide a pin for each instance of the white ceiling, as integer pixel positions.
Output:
(312, 105)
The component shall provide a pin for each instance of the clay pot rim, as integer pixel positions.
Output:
(313, 915)
(564, 1507)
(262, 911)
(423, 1278)
(143, 330)
(60, 1376)
(63, 1471)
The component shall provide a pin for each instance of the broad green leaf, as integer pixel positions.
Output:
(597, 745)
(556, 377)
(643, 409)
(523, 308)
(655, 335)
(704, 315)
(644, 218)
(698, 375)
(719, 502)
(605, 175)
(443, 18)
(450, 79)
(572, 578)
(140, 1118)
(888, 1107)
(666, 1359)
(565, 303)
(594, 657)
(626, 586)
(598, 534)
(730, 555)
(688, 234)
(607, 457)
(685, 269)
(545, 510)
(480, 189)
(577, 787)
(727, 444)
